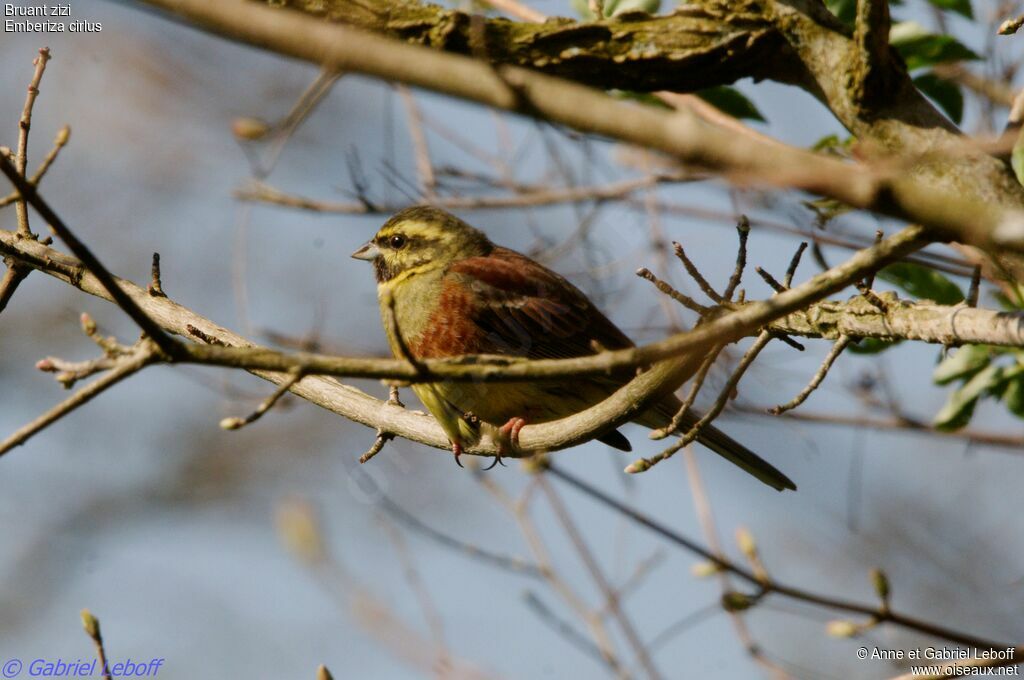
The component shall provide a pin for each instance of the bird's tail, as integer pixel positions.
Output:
(720, 443)
(742, 457)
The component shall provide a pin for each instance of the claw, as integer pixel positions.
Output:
(497, 461)
(457, 450)
(508, 440)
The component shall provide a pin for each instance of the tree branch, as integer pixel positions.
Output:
(972, 210)
(624, 405)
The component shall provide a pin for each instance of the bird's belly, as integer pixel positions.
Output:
(496, 403)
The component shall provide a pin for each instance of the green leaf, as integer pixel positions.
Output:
(642, 97)
(826, 209)
(944, 93)
(845, 10)
(834, 145)
(1017, 158)
(614, 8)
(731, 101)
(966, 361)
(962, 7)
(960, 406)
(1014, 396)
(922, 282)
(919, 48)
(872, 345)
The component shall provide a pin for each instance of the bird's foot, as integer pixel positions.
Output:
(508, 440)
(457, 450)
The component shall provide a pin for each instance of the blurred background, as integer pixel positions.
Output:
(267, 551)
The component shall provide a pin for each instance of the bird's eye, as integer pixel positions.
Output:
(397, 241)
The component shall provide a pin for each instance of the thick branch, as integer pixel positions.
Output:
(681, 133)
(697, 46)
(905, 320)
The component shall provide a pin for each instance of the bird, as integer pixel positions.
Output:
(446, 290)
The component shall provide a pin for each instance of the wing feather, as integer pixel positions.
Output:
(524, 309)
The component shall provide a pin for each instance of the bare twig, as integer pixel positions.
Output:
(1011, 26)
(236, 423)
(522, 197)
(1012, 443)
(793, 264)
(25, 125)
(597, 575)
(819, 376)
(513, 565)
(667, 289)
(561, 626)
(695, 384)
(695, 274)
(770, 280)
(743, 229)
(705, 516)
(430, 612)
(106, 279)
(644, 464)
(520, 510)
(92, 628)
(155, 287)
(61, 140)
(144, 354)
(972, 293)
(774, 587)
(424, 166)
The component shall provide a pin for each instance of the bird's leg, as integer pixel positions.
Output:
(474, 422)
(508, 439)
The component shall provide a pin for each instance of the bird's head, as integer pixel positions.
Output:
(421, 239)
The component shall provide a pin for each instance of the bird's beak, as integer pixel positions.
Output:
(367, 252)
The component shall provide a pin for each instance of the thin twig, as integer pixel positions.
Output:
(514, 565)
(63, 135)
(597, 575)
(521, 511)
(667, 289)
(869, 280)
(774, 587)
(770, 280)
(644, 464)
(1013, 443)
(561, 626)
(155, 287)
(25, 125)
(793, 264)
(144, 354)
(972, 292)
(743, 229)
(430, 612)
(421, 151)
(695, 274)
(523, 196)
(106, 279)
(236, 423)
(705, 515)
(695, 384)
(837, 348)
(92, 628)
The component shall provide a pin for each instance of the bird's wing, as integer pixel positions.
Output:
(524, 309)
